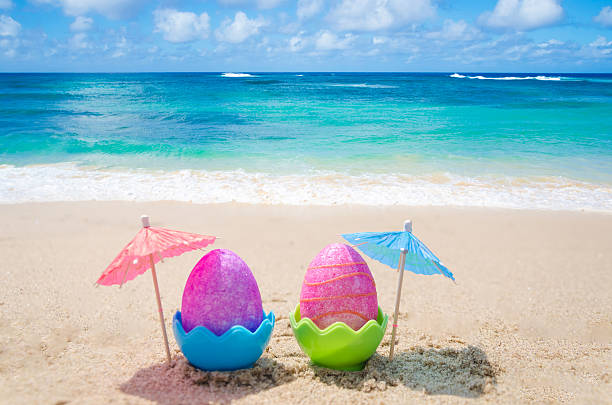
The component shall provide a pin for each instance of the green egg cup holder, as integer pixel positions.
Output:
(338, 346)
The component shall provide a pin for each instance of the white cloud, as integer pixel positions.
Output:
(181, 26)
(323, 40)
(328, 41)
(373, 15)
(308, 8)
(8, 26)
(455, 31)
(522, 14)
(518, 47)
(548, 47)
(297, 43)
(379, 40)
(49, 52)
(550, 43)
(239, 29)
(600, 42)
(114, 9)
(601, 47)
(79, 41)
(121, 47)
(81, 24)
(9, 46)
(604, 17)
(6, 4)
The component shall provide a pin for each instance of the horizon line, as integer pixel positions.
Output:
(298, 71)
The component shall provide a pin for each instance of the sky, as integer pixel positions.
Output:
(305, 35)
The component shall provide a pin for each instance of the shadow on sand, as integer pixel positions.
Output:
(462, 372)
(184, 384)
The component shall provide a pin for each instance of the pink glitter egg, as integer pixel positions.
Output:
(338, 287)
(221, 292)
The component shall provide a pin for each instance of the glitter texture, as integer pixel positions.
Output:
(221, 292)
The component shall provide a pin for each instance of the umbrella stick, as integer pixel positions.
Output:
(159, 307)
(398, 296)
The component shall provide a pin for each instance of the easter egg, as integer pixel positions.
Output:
(338, 287)
(221, 292)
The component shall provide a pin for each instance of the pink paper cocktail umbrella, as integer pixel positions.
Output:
(149, 246)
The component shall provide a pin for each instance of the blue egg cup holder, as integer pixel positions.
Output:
(237, 348)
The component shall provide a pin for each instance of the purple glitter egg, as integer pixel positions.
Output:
(221, 292)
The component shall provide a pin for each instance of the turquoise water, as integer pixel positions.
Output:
(525, 141)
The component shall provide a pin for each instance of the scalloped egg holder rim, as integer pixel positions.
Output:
(235, 349)
(338, 346)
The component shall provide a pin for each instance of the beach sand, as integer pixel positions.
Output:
(529, 319)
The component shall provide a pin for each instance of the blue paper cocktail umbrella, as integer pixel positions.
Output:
(401, 249)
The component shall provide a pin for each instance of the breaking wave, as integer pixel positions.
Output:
(69, 182)
(479, 77)
(237, 75)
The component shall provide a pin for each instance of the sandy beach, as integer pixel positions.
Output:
(529, 319)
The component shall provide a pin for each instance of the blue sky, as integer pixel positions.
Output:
(305, 35)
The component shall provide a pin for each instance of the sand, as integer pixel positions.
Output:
(529, 320)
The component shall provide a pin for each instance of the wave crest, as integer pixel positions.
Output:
(229, 74)
(363, 85)
(480, 77)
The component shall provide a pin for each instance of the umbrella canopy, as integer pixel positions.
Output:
(401, 249)
(135, 258)
(149, 246)
(386, 247)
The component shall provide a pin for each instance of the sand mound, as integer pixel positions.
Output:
(464, 372)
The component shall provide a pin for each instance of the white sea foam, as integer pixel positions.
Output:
(480, 77)
(556, 79)
(236, 75)
(363, 85)
(68, 182)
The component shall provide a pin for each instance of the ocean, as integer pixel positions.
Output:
(535, 141)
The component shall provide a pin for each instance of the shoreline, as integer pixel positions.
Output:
(67, 182)
(529, 320)
(365, 207)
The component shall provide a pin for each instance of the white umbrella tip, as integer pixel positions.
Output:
(408, 225)
(145, 221)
